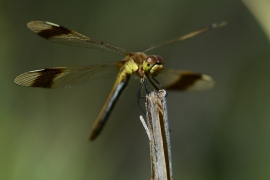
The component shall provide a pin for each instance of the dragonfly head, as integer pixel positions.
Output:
(153, 65)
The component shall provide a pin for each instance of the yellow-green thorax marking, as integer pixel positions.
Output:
(142, 65)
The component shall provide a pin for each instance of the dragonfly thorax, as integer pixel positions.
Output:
(142, 65)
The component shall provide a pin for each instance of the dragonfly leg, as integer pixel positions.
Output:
(139, 96)
(147, 89)
(156, 81)
(153, 84)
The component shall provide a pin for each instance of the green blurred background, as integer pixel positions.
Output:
(219, 134)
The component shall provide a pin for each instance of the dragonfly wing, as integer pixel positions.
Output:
(119, 85)
(63, 76)
(59, 34)
(188, 36)
(177, 80)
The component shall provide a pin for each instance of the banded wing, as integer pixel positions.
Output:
(176, 80)
(64, 76)
(62, 35)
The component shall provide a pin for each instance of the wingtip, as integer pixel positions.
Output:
(92, 137)
(219, 24)
(30, 24)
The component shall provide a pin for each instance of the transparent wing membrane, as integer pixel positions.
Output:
(177, 80)
(64, 76)
(187, 36)
(62, 35)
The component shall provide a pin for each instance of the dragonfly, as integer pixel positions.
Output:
(132, 63)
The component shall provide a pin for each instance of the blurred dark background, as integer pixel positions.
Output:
(219, 134)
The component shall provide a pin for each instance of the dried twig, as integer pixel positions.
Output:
(159, 136)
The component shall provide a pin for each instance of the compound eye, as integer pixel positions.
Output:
(151, 60)
(152, 63)
(159, 60)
